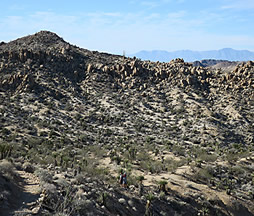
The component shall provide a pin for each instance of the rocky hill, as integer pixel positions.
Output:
(73, 118)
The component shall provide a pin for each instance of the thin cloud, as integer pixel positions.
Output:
(154, 4)
(117, 14)
(177, 15)
(150, 4)
(238, 5)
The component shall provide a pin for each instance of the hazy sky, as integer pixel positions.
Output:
(131, 25)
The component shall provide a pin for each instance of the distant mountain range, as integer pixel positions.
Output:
(190, 56)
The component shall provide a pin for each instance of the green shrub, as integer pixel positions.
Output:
(5, 150)
(150, 197)
(140, 178)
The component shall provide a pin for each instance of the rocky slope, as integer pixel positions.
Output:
(80, 115)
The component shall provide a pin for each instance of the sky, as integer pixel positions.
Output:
(115, 26)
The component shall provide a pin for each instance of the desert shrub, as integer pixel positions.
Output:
(156, 152)
(140, 178)
(44, 175)
(251, 194)
(178, 150)
(152, 166)
(162, 185)
(7, 169)
(82, 206)
(204, 174)
(127, 164)
(155, 166)
(207, 157)
(97, 172)
(80, 178)
(34, 142)
(102, 199)
(238, 171)
(4, 195)
(149, 139)
(144, 165)
(162, 195)
(233, 156)
(48, 160)
(132, 153)
(62, 183)
(198, 163)
(132, 180)
(171, 164)
(97, 151)
(116, 159)
(67, 204)
(49, 188)
(5, 150)
(143, 156)
(150, 197)
(18, 165)
(5, 131)
(28, 167)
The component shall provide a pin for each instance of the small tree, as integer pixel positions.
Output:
(141, 186)
(162, 185)
(132, 153)
(140, 179)
(149, 199)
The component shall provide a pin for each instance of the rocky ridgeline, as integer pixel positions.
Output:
(45, 52)
(136, 74)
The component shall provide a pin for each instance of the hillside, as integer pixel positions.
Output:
(190, 55)
(73, 118)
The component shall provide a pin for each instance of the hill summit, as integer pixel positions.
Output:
(40, 40)
(71, 119)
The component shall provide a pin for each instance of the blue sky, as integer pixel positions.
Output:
(131, 25)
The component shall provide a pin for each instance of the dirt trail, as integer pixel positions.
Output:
(26, 199)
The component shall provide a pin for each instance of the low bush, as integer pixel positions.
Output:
(204, 174)
(28, 167)
(44, 175)
(7, 169)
